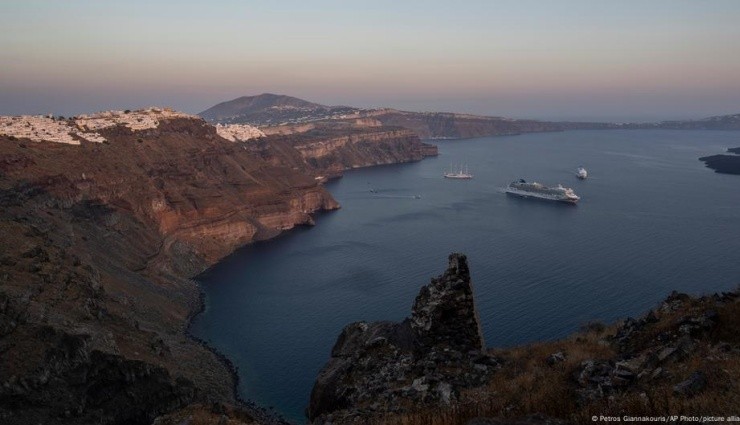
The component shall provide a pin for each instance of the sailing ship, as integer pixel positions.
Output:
(459, 174)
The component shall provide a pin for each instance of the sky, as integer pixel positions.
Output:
(550, 59)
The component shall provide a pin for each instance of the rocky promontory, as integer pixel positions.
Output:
(426, 360)
(724, 164)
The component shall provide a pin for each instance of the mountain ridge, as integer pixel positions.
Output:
(273, 110)
(258, 102)
(268, 108)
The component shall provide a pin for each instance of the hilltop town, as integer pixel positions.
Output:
(86, 127)
(239, 132)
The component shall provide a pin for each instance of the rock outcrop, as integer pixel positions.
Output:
(432, 367)
(650, 347)
(427, 359)
(76, 383)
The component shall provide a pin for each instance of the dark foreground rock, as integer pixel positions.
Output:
(394, 367)
(78, 384)
(529, 420)
(681, 356)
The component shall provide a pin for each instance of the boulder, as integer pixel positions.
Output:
(555, 358)
(691, 386)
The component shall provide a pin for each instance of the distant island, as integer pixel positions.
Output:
(290, 114)
(725, 164)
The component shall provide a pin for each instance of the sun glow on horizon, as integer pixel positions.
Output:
(674, 58)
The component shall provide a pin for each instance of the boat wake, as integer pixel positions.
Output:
(376, 195)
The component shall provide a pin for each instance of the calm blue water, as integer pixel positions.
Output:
(652, 219)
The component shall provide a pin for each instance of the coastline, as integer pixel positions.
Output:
(728, 163)
(196, 305)
(263, 415)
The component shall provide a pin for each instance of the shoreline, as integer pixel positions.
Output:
(263, 415)
(725, 163)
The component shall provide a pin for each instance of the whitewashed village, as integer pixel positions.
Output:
(47, 128)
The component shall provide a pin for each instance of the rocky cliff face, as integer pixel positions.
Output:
(191, 184)
(327, 149)
(456, 126)
(98, 242)
(427, 359)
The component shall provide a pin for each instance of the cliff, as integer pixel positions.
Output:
(326, 149)
(680, 358)
(437, 125)
(98, 241)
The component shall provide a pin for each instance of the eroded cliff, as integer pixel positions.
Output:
(326, 149)
(98, 242)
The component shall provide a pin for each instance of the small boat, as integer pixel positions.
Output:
(581, 173)
(459, 174)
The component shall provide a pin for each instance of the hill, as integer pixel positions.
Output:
(270, 109)
(104, 218)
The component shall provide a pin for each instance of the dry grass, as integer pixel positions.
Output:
(199, 414)
(527, 385)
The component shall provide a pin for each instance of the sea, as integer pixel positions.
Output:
(652, 219)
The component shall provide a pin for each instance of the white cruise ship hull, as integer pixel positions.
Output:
(544, 197)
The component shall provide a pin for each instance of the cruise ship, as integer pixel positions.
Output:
(539, 191)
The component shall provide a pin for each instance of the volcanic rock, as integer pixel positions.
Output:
(693, 385)
(427, 358)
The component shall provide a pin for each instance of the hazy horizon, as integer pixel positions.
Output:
(562, 60)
